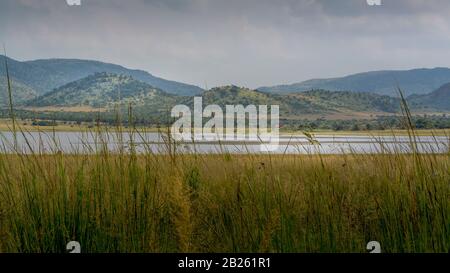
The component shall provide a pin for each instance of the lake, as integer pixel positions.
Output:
(81, 142)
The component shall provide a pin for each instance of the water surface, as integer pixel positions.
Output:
(81, 142)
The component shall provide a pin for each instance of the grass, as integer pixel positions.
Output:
(222, 203)
(144, 202)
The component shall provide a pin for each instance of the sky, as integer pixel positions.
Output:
(248, 43)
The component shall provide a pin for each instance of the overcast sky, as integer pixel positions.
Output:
(244, 42)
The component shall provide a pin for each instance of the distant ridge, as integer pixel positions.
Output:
(415, 81)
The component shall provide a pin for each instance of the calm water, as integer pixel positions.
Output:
(78, 142)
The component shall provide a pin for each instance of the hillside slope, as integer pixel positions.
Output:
(103, 90)
(317, 102)
(438, 99)
(20, 92)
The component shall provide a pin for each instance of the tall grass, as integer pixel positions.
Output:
(214, 203)
(130, 201)
(10, 97)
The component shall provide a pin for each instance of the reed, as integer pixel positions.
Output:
(146, 202)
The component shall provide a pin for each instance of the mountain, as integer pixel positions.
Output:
(317, 102)
(438, 99)
(104, 90)
(45, 75)
(416, 81)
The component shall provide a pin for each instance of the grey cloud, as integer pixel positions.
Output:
(245, 42)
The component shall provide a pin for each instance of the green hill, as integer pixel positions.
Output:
(103, 90)
(234, 95)
(317, 102)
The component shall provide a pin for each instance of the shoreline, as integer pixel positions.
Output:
(6, 125)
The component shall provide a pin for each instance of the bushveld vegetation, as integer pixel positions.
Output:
(387, 123)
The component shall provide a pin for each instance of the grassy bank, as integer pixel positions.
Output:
(27, 126)
(223, 203)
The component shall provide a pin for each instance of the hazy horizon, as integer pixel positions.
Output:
(246, 43)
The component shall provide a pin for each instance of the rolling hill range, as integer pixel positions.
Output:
(104, 90)
(42, 76)
(416, 81)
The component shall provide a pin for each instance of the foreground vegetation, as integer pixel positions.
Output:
(127, 202)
